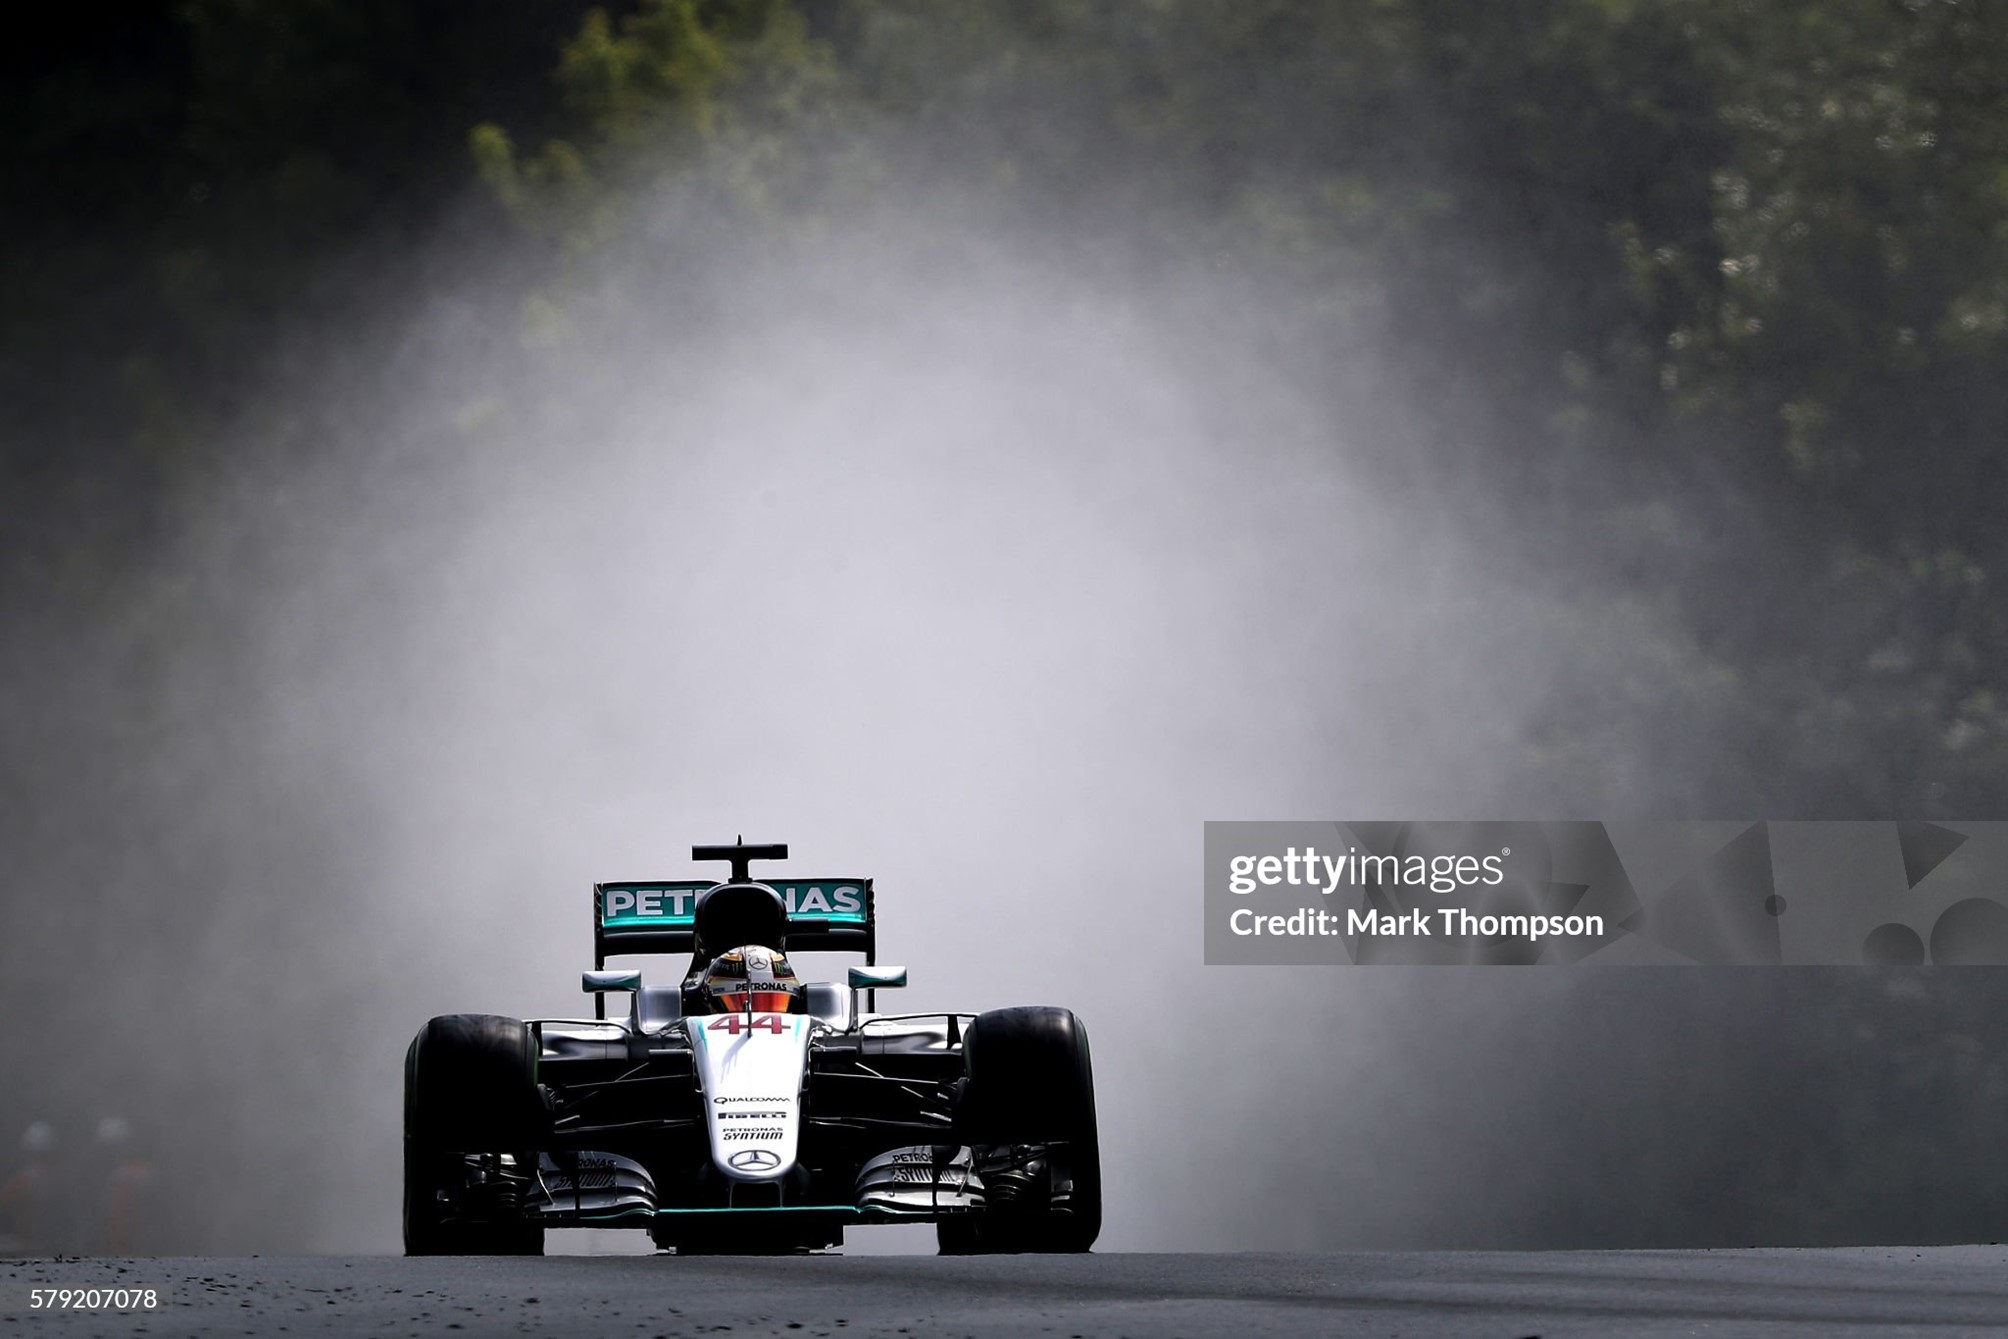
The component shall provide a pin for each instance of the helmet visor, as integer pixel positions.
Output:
(764, 1001)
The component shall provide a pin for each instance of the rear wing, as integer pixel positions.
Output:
(824, 915)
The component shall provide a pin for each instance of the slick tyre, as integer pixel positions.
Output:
(1029, 1082)
(470, 1086)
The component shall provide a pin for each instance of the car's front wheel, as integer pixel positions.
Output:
(470, 1086)
(1026, 1109)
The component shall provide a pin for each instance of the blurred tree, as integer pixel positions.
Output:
(1717, 291)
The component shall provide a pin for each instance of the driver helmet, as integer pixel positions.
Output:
(762, 973)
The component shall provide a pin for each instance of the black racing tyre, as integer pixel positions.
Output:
(470, 1086)
(1029, 1081)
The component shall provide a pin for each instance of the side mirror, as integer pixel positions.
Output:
(877, 978)
(626, 978)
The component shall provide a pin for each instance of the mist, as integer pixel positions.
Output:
(984, 551)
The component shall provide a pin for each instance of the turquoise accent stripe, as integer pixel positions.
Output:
(685, 922)
(770, 1208)
(851, 1209)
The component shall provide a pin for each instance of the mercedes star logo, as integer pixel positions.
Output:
(755, 1160)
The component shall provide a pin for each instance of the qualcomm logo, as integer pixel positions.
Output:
(755, 1160)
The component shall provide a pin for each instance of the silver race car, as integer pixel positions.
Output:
(742, 1107)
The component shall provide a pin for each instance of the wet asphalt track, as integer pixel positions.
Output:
(1938, 1291)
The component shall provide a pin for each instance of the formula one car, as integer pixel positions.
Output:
(742, 1108)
